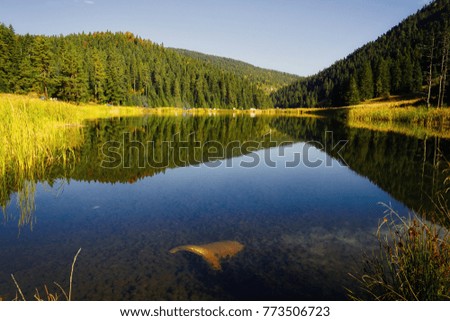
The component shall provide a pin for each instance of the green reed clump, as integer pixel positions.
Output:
(412, 263)
(32, 135)
(35, 134)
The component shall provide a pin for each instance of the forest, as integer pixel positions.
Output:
(118, 69)
(268, 80)
(411, 59)
(124, 69)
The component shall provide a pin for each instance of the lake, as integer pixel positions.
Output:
(301, 194)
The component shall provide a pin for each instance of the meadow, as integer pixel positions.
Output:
(406, 116)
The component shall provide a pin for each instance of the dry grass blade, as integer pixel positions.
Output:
(48, 295)
(71, 274)
(412, 262)
(18, 287)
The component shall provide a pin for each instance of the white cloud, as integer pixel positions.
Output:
(89, 2)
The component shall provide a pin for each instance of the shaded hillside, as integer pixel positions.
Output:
(398, 62)
(267, 79)
(120, 69)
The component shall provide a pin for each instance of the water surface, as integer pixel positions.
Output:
(303, 227)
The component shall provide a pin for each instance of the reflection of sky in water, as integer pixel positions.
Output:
(302, 228)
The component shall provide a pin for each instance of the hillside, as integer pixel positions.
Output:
(267, 79)
(398, 62)
(119, 69)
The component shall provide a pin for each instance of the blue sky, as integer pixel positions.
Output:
(296, 36)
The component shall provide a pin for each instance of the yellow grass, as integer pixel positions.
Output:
(401, 116)
(176, 111)
(35, 133)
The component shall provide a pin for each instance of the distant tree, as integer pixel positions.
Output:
(26, 75)
(73, 79)
(7, 47)
(41, 58)
(417, 78)
(352, 93)
(366, 82)
(115, 78)
(396, 76)
(98, 75)
(407, 75)
(444, 66)
(383, 81)
(430, 70)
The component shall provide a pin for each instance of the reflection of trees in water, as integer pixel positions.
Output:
(410, 169)
(84, 161)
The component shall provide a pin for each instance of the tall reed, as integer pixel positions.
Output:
(35, 134)
(412, 262)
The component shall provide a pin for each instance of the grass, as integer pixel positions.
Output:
(412, 263)
(36, 133)
(50, 296)
(33, 130)
(407, 129)
(407, 116)
(176, 111)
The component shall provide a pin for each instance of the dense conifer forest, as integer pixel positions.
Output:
(123, 69)
(119, 69)
(411, 58)
(269, 80)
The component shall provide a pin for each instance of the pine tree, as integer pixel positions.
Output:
(98, 77)
(352, 94)
(7, 45)
(73, 81)
(41, 57)
(366, 82)
(407, 83)
(395, 76)
(383, 82)
(417, 78)
(26, 76)
(115, 81)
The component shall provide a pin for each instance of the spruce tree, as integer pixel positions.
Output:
(366, 82)
(352, 93)
(73, 79)
(98, 75)
(383, 81)
(41, 57)
(7, 45)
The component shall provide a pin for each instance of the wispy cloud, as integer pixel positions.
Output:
(89, 2)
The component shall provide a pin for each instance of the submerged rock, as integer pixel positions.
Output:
(214, 252)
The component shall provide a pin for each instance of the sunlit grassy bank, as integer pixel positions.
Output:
(35, 133)
(293, 112)
(402, 116)
(33, 130)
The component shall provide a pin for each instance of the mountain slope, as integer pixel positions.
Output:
(267, 79)
(120, 69)
(396, 63)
